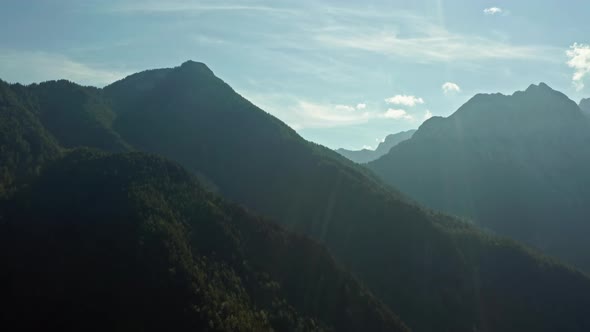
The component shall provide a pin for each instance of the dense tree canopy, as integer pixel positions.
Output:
(131, 241)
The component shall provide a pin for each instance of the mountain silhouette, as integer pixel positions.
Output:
(514, 164)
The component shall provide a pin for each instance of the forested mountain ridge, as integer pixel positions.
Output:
(366, 155)
(437, 273)
(24, 142)
(515, 164)
(131, 241)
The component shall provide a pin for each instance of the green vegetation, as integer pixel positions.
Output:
(24, 143)
(437, 273)
(132, 242)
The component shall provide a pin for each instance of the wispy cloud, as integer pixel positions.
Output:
(579, 60)
(317, 115)
(393, 113)
(450, 87)
(405, 100)
(425, 42)
(300, 113)
(427, 115)
(29, 67)
(188, 7)
(493, 11)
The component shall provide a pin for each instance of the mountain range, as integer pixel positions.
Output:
(365, 155)
(516, 164)
(127, 238)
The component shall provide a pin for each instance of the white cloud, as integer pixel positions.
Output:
(361, 106)
(579, 60)
(393, 113)
(344, 108)
(405, 100)
(493, 11)
(303, 114)
(327, 115)
(450, 87)
(427, 115)
(30, 67)
(367, 147)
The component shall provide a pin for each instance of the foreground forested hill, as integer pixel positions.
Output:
(130, 241)
(435, 272)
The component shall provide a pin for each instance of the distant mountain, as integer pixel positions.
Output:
(585, 106)
(437, 273)
(365, 155)
(517, 165)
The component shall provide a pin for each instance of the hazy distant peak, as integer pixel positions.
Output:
(533, 93)
(366, 155)
(540, 86)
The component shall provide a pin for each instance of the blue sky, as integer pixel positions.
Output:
(342, 73)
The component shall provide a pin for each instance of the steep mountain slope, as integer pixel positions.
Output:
(75, 115)
(130, 242)
(515, 164)
(366, 155)
(585, 106)
(24, 142)
(437, 273)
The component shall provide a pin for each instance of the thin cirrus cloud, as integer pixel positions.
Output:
(422, 41)
(323, 115)
(426, 42)
(187, 7)
(493, 11)
(30, 67)
(405, 100)
(300, 113)
(579, 60)
(450, 88)
(304, 114)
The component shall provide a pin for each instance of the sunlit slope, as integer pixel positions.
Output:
(516, 164)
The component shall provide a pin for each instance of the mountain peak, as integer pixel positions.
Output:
(196, 66)
(541, 87)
